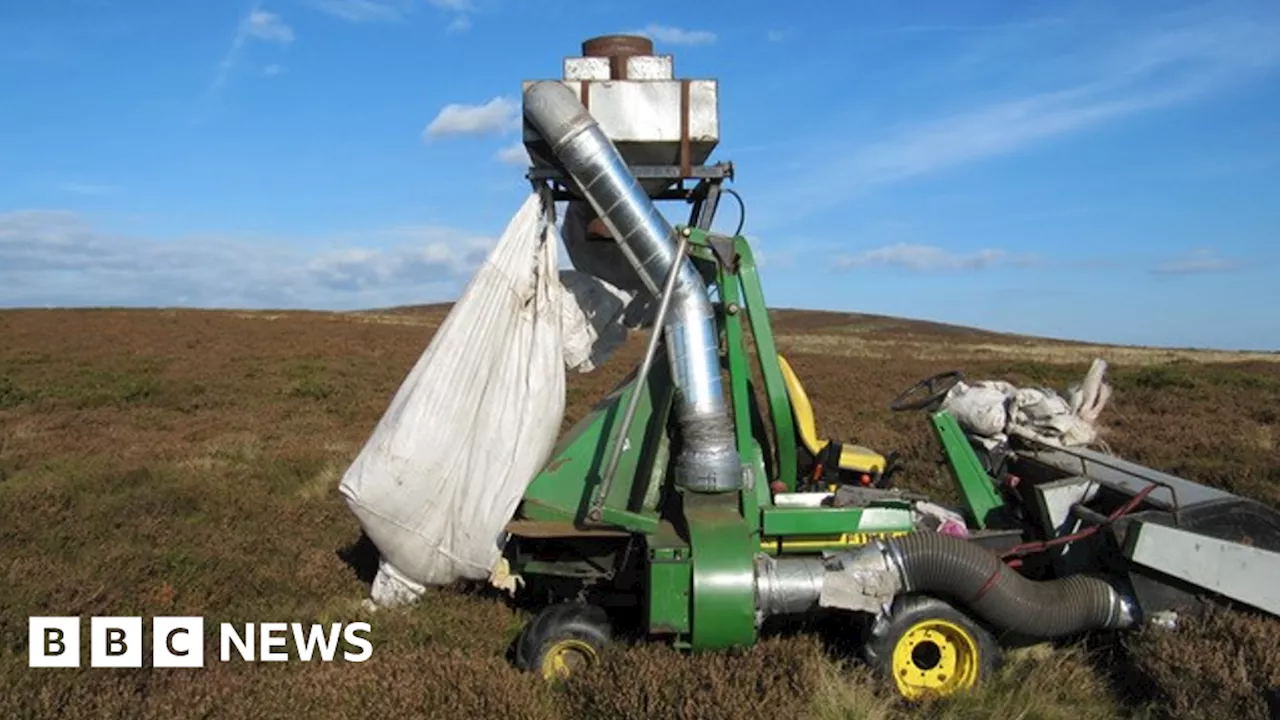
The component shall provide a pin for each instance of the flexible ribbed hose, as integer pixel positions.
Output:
(978, 579)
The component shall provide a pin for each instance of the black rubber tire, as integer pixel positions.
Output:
(914, 611)
(556, 624)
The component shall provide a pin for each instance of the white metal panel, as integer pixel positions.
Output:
(1129, 477)
(1054, 501)
(801, 499)
(586, 68)
(642, 118)
(649, 110)
(639, 67)
(1247, 574)
(650, 67)
(1056, 498)
(874, 518)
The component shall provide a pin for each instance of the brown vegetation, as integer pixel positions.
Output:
(181, 462)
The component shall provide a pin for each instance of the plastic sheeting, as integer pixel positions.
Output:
(479, 413)
(603, 259)
(592, 314)
(994, 410)
(931, 516)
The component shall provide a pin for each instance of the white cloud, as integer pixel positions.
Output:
(1199, 262)
(461, 23)
(441, 256)
(272, 70)
(925, 258)
(93, 189)
(386, 11)
(514, 154)
(56, 257)
(675, 35)
(766, 257)
(267, 26)
(776, 36)
(1175, 61)
(258, 24)
(995, 130)
(362, 11)
(498, 115)
(454, 5)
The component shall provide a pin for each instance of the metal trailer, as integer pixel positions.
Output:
(690, 513)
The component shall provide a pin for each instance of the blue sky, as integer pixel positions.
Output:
(1084, 169)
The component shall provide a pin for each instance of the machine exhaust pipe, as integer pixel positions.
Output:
(709, 460)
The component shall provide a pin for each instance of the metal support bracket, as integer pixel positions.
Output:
(596, 511)
(562, 189)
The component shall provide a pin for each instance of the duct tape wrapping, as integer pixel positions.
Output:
(863, 581)
(709, 461)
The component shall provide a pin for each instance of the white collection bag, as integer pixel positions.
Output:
(475, 420)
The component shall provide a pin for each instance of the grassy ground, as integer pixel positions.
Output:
(157, 462)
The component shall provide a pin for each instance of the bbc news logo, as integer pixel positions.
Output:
(178, 642)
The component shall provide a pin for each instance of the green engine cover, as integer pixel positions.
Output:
(567, 484)
(724, 600)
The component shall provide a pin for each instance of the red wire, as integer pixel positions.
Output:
(1046, 544)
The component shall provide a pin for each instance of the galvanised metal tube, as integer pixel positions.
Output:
(709, 461)
(788, 585)
(602, 492)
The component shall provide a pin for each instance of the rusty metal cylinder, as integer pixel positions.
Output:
(617, 48)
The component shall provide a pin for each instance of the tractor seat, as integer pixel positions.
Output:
(856, 464)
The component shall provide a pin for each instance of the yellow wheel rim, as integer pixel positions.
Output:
(567, 657)
(935, 657)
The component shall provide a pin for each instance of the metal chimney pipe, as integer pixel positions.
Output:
(709, 461)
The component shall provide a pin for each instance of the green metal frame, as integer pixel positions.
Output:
(564, 488)
(981, 498)
(738, 282)
(700, 549)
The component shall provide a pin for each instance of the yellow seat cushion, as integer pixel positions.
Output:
(852, 457)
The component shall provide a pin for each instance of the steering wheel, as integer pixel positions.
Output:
(936, 387)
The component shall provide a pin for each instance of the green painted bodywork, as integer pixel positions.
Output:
(566, 485)
(699, 550)
(670, 585)
(786, 521)
(724, 578)
(980, 495)
(740, 290)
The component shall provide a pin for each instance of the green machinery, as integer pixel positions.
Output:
(668, 513)
(607, 526)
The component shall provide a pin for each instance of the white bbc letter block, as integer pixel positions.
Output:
(115, 642)
(177, 642)
(53, 642)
